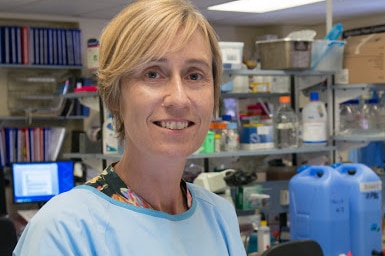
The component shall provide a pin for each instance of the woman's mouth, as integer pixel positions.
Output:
(174, 125)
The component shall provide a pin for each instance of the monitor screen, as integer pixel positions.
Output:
(37, 182)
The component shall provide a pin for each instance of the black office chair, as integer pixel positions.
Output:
(295, 248)
(8, 236)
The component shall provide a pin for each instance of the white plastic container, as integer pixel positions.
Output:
(232, 54)
(314, 122)
(263, 237)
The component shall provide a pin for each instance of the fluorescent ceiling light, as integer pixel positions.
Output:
(258, 6)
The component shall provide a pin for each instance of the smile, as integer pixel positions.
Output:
(173, 125)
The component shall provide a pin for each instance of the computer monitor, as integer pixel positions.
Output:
(38, 182)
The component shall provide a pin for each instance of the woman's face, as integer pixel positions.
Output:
(167, 105)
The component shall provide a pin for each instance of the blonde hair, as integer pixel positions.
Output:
(139, 33)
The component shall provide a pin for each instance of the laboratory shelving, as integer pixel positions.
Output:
(298, 84)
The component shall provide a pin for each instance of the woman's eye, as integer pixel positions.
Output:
(152, 74)
(194, 76)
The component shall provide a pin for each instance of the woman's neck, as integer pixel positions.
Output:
(158, 183)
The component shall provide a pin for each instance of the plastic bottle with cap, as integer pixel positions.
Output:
(232, 137)
(314, 122)
(285, 123)
(263, 236)
(217, 142)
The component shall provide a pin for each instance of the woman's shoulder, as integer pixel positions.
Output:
(207, 197)
(74, 204)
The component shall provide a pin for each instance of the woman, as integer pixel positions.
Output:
(159, 76)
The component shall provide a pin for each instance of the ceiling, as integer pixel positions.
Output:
(106, 9)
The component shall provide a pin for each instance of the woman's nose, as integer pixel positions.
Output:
(177, 93)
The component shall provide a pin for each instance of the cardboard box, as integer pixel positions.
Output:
(364, 58)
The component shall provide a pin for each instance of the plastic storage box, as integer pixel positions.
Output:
(327, 55)
(232, 54)
(286, 54)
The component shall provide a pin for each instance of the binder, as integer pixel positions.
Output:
(1, 45)
(50, 46)
(25, 45)
(13, 45)
(45, 143)
(63, 49)
(60, 47)
(36, 49)
(2, 148)
(31, 43)
(55, 58)
(31, 144)
(7, 46)
(18, 45)
(70, 47)
(76, 33)
(20, 156)
(10, 143)
(38, 140)
(40, 46)
(27, 145)
(45, 46)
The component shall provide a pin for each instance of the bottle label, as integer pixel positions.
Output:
(314, 132)
(370, 186)
(284, 126)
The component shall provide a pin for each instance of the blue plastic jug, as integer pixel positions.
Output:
(365, 193)
(319, 209)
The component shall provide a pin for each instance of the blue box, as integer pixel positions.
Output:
(256, 137)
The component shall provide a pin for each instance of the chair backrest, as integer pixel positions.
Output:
(295, 248)
(8, 236)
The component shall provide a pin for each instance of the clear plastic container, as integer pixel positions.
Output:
(381, 113)
(285, 125)
(348, 116)
(232, 137)
(368, 117)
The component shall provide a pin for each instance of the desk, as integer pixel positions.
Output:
(27, 214)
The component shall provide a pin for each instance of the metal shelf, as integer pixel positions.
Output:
(357, 86)
(76, 95)
(261, 72)
(361, 138)
(98, 156)
(260, 152)
(11, 66)
(88, 99)
(251, 95)
(28, 118)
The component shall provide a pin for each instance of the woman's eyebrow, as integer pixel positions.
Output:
(199, 62)
(196, 61)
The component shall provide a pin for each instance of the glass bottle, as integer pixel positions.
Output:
(285, 123)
